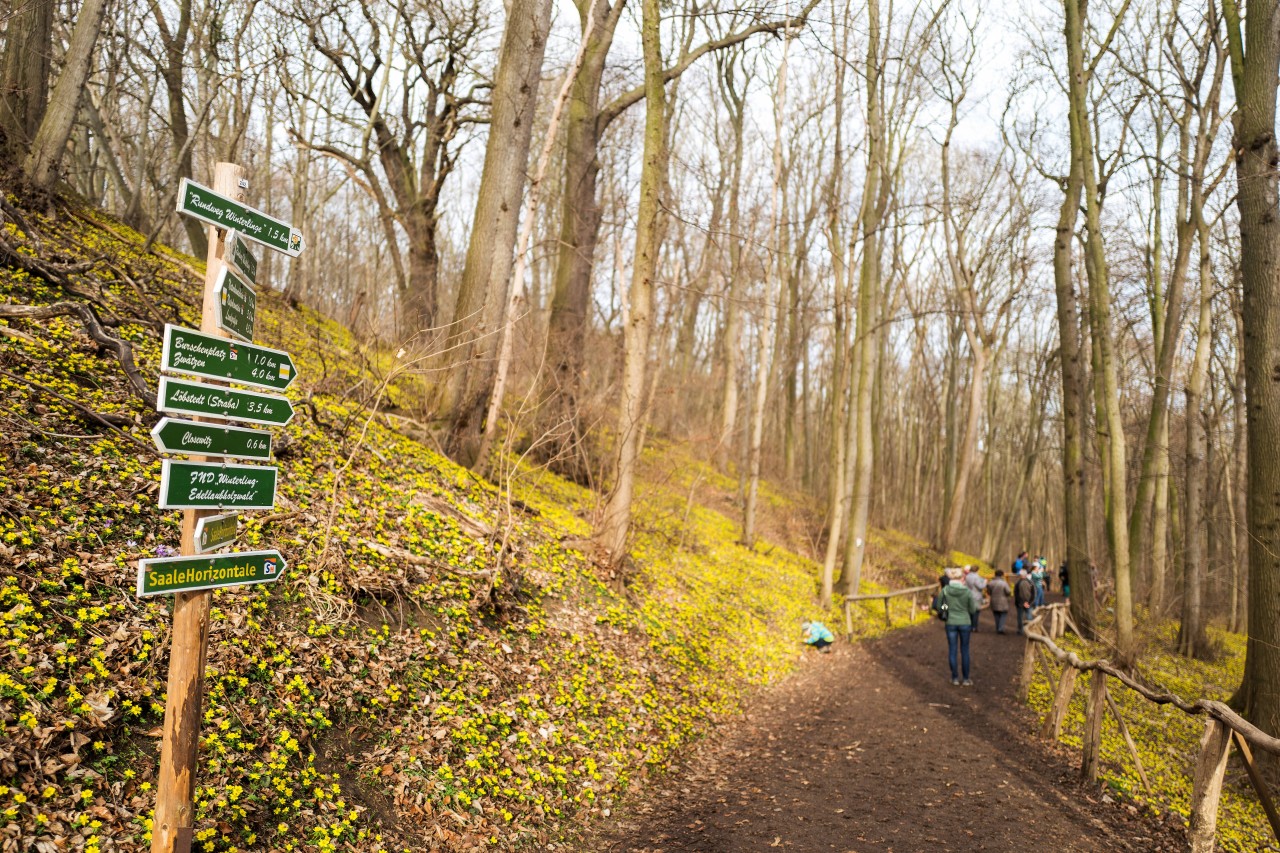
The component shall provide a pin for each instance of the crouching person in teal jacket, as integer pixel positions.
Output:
(818, 635)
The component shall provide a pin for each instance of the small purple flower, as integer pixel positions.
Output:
(165, 551)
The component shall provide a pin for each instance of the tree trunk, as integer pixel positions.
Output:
(616, 522)
(486, 276)
(872, 217)
(1255, 62)
(1070, 356)
(55, 129)
(24, 74)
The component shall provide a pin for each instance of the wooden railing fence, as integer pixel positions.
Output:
(1223, 726)
(914, 592)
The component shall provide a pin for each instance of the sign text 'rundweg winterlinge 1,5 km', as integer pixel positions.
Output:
(218, 210)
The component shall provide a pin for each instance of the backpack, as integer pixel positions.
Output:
(941, 607)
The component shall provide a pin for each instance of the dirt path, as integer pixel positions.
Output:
(873, 749)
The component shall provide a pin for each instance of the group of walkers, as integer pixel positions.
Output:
(964, 593)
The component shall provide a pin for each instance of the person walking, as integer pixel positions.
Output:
(999, 591)
(1023, 594)
(956, 606)
(1038, 574)
(976, 584)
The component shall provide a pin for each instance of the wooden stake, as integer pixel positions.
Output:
(1259, 784)
(1095, 709)
(848, 620)
(1206, 786)
(1128, 741)
(1028, 670)
(1053, 720)
(887, 620)
(174, 822)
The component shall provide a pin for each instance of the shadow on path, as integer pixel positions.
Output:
(873, 749)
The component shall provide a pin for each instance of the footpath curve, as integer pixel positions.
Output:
(872, 749)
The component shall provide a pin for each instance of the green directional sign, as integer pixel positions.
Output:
(237, 306)
(161, 575)
(204, 439)
(214, 531)
(240, 258)
(211, 485)
(199, 354)
(218, 210)
(182, 397)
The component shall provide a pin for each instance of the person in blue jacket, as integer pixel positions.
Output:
(818, 635)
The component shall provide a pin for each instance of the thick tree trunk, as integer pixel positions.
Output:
(24, 74)
(486, 276)
(616, 523)
(1255, 72)
(55, 129)
(1192, 640)
(1071, 358)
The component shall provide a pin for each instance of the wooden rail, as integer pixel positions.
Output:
(914, 592)
(1223, 726)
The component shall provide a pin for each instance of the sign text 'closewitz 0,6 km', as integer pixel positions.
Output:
(198, 354)
(218, 210)
(206, 439)
(159, 575)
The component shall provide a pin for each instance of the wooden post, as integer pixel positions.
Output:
(1095, 710)
(174, 822)
(1053, 720)
(887, 620)
(1128, 741)
(1028, 669)
(848, 619)
(1206, 786)
(915, 606)
(1259, 784)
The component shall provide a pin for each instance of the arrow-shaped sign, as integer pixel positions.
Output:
(240, 259)
(204, 439)
(237, 307)
(180, 397)
(198, 354)
(214, 531)
(160, 575)
(218, 210)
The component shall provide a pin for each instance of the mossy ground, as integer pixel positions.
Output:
(1167, 739)
(475, 696)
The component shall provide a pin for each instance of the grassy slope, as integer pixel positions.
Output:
(476, 695)
(1167, 739)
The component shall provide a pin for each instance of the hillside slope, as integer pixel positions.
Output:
(438, 669)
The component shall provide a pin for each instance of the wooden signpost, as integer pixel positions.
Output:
(221, 351)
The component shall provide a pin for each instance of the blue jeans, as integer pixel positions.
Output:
(1039, 600)
(1000, 617)
(958, 635)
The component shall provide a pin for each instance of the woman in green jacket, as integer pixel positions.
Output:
(960, 610)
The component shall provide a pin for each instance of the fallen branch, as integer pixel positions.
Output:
(122, 348)
(110, 421)
(420, 560)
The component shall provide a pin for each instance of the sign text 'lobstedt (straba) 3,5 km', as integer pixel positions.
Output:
(180, 397)
(198, 354)
(160, 575)
(211, 485)
(206, 439)
(209, 206)
(237, 306)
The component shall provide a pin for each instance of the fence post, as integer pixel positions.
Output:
(848, 620)
(887, 620)
(1053, 720)
(1206, 786)
(1028, 669)
(1095, 709)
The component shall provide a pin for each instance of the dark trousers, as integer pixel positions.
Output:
(1000, 617)
(974, 619)
(958, 636)
(1024, 616)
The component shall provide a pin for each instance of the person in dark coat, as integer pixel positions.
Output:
(1000, 594)
(1024, 593)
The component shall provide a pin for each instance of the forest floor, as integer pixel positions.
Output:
(872, 749)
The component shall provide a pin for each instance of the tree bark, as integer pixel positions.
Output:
(1255, 61)
(616, 523)
(55, 129)
(24, 74)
